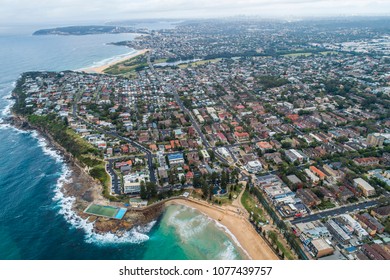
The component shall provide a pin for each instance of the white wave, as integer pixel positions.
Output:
(108, 60)
(7, 109)
(229, 253)
(8, 126)
(7, 96)
(184, 231)
(137, 234)
(232, 236)
(4, 125)
(188, 228)
(45, 147)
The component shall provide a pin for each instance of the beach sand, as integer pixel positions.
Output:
(251, 242)
(100, 69)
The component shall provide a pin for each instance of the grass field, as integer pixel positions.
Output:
(104, 211)
(131, 65)
(249, 202)
(200, 62)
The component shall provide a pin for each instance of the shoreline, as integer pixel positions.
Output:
(100, 69)
(81, 189)
(239, 230)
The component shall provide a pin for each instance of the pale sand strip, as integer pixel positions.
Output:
(238, 225)
(100, 69)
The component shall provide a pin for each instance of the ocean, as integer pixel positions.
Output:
(36, 221)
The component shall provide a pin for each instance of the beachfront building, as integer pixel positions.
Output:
(132, 182)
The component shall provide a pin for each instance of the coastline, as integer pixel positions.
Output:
(78, 189)
(239, 228)
(100, 69)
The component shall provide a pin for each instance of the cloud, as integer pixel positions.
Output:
(36, 11)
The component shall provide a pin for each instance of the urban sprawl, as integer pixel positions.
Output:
(299, 111)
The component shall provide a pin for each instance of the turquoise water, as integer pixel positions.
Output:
(185, 233)
(36, 221)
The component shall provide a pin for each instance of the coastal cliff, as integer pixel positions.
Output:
(86, 190)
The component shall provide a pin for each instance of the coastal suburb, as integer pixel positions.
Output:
(277, 131)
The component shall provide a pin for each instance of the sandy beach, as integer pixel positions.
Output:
(250, 241)
(100, 69)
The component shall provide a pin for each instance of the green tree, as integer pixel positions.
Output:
(205, 188)
(143, 192)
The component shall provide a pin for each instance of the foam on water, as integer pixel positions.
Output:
(45, 147)
(108, 60)
(135, 235)
(187, 229)
(15, 129)
(229, 253)
(235, 240)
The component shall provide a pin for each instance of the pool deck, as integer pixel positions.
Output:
(118, 215)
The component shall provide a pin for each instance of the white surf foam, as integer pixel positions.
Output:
(45, 147)
(188, 228)
(229, 253)
(135, 235)
(232, 236)
(8, 126)
(219, 225)
(108, 60)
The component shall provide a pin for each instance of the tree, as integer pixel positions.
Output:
(183, 180)
(272, 235)
(223, 180)
(211, 191)
(205, 188)
(214, 177)
(143, 192)
(151, 189)
(197, 182)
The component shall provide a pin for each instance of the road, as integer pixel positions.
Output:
(149, 155)
(116, 184)
(172, 89)
(333, 212)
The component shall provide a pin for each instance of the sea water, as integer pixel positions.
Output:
(36, 220)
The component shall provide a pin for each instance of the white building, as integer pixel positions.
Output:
(366, 188)
(311, 175)
(254, 166)
(132, 182)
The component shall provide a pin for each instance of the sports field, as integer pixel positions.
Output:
(106, 211)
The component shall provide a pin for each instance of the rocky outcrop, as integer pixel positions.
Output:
(87, 190)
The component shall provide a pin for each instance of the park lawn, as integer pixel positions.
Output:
(133, 64)
(200, 62)
(249, 202)
(298, 54)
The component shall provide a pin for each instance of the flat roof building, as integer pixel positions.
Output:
(320, 248)
(176, 159)
(366, 188)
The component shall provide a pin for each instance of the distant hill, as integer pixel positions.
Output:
(87, 30)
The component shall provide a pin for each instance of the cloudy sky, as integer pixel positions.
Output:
(56, 11)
